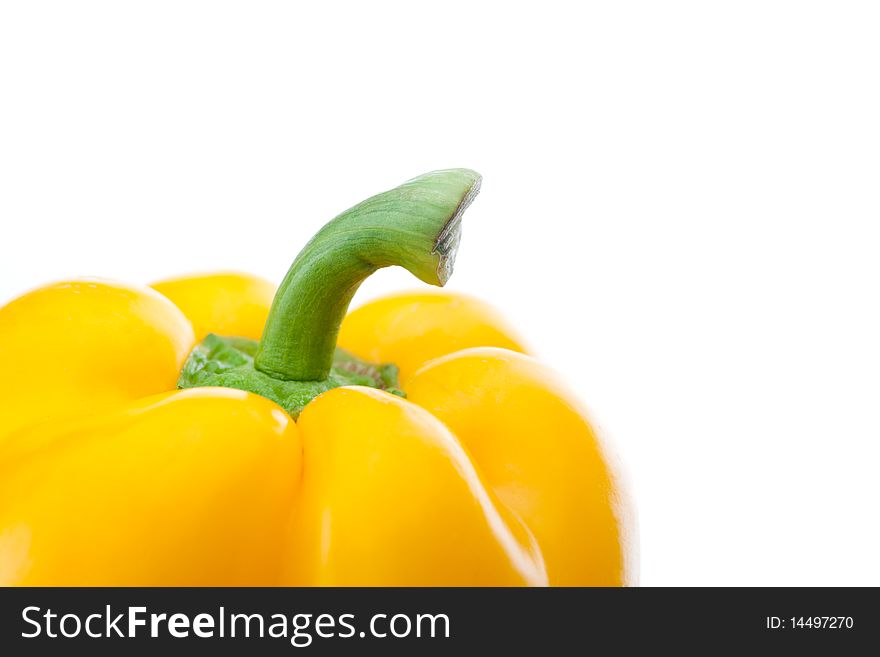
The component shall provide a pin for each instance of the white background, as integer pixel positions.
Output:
(680, 211)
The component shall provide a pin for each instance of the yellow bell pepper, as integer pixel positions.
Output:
(206, 432)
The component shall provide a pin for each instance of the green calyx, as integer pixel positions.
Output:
(416, 225)
(229, 363)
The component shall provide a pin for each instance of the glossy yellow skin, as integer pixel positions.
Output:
(537, 449)
(390, 498)
(411, 328)
(186, 488)
(228, 303)
(80, 346)
(488, 474)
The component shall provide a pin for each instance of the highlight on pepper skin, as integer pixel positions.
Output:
(242, 434)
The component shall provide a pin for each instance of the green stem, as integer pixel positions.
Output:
(416, 226)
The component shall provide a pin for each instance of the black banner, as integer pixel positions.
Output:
(433, 621)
